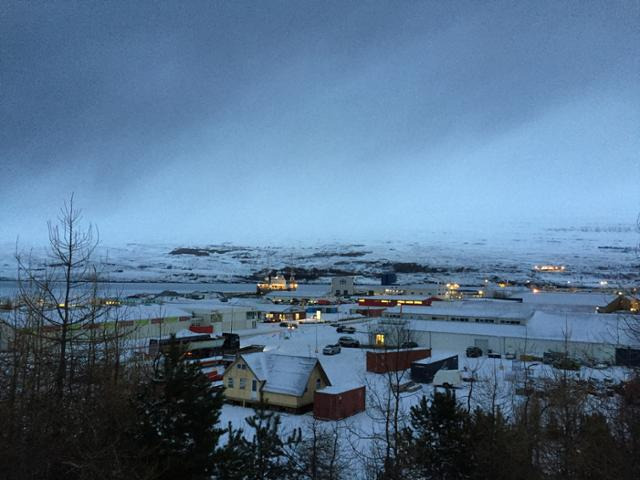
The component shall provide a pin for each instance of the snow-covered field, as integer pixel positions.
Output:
(591, 254)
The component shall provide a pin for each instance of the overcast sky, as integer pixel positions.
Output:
(252, 121)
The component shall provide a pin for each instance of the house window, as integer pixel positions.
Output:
(379, 338)
(243, 383)
(254, 386)
(317, 383)
(230, 382)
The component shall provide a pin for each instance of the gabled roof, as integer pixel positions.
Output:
(286, 374)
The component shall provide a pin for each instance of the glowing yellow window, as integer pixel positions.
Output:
(379, 338)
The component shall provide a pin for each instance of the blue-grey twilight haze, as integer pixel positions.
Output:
(253, 121)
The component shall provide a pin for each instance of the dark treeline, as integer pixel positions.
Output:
(554, 436)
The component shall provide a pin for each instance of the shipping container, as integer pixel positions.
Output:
(423, 371)
(393, 360)
(338, 402)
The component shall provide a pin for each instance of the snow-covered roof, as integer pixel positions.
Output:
(587, 299)
(209, 306)
(178, 309)
(577, 327)
(185, 333)
(470, 308)
(472, 328)
(144, 312)
(337, 389)
(286, 374)
(590, 327)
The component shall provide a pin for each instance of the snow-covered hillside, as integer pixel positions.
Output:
(591, 254)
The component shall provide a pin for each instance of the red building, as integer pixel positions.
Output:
(394, 301)
(338, 402)
(394, 360)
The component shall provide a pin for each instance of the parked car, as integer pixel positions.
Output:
(331, 350)
(345, 329)
(494, 355)
(510, 356)
(348, 342)
(406, 387)
(566, 363)
(474, 352)
(335, 325)
(409, 345)
(548, 358)
(289, 324)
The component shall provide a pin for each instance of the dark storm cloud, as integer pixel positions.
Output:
(201, 113)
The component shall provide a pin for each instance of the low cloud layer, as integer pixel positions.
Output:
(255, 121)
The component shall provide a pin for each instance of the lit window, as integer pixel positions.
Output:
(379, 338)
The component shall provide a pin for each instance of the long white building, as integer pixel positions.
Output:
(511, 327)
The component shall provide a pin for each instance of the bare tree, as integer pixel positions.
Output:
(320, 456)
(61, 301)
(386, 407)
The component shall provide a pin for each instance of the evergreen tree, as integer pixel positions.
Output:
(499, 452)
(179, 413)
(438, 444)
(597, 455)
(232, 456)
(267, 453)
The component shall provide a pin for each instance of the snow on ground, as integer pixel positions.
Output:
(495, 376)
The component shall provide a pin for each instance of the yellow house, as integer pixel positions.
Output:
(279, 381)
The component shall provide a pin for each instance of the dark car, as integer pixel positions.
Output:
(405, 387)
(348, 342)
(331, 350)
(474, 352)
(289, 325)
(409, 345)
(345, 329)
